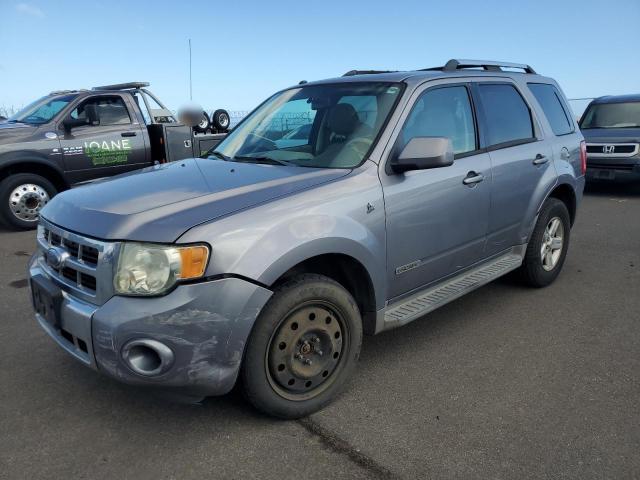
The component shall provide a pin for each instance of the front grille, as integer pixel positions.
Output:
(612, 150)
(78, 264)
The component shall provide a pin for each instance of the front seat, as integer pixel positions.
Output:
(342, 125)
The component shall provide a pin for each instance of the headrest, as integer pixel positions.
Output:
(343, 119)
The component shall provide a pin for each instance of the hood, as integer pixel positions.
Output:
(10, 132)
(158, 204)
(612, 135)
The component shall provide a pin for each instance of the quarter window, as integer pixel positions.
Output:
(507, 116)
(549, 99)
(443, 112)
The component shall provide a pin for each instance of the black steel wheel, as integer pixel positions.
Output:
(303, 348)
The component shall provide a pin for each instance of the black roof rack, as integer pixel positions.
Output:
(489, 65)
(123, 86)
(351, 73)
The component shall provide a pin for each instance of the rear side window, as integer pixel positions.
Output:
(549, 99)
(443, 112)
(507, 116)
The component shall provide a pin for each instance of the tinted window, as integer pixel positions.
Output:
(111, 110)
(612, 115)
(549, 99)
(507, 115)
(443, 112)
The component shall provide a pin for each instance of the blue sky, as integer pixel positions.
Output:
(244, 50)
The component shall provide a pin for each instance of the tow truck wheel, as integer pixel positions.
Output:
(204, 124)
(221, 120)
(22, 196)
(303, 347)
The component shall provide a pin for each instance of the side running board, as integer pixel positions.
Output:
(425, 301)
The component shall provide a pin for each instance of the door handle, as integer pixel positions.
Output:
(472, 178)
(540, 159)
(128, 134)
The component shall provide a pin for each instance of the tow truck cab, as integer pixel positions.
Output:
(75, 136)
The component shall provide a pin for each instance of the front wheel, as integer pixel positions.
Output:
(303, 347)
(547, 248)
(22, 196)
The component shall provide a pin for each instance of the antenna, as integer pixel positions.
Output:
(190, 80)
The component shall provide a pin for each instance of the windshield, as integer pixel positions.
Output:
(321, 126)
(42, 110)
(612, 115)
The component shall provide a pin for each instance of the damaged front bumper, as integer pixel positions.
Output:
(204, 325)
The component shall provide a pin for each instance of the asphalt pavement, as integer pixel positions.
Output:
(507, 382)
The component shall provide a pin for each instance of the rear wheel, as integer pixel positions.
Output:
(303, 348)
(547, 248)
(22, 196)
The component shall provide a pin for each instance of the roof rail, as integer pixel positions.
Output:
(351, 73)
(123, 86)
(489, 65)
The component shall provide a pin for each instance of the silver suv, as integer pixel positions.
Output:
(264, 262)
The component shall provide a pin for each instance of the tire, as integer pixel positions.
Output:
(543, 261)
(204, 124)
(22, 196)
(221, 120)
(303, 348)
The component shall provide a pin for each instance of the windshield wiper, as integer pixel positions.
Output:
(272, 161)
(219, 155)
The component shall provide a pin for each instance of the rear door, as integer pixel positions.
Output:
(437, 219)
(115, 145)
(521, 161)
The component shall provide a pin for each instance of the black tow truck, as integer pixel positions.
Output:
(70, 137)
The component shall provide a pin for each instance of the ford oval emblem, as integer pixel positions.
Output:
(55, 257)
(51, 135)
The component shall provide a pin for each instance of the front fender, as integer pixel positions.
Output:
(344, 217)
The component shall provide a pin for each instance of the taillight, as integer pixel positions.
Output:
(583, 157)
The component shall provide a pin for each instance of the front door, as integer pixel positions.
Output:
(114, 145)
(437, 219)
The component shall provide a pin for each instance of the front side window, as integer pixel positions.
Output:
(507, 116)
(442, 112)
(320, 126)
(612, 115)
(549, 99)
(111, 111)
(42, 110)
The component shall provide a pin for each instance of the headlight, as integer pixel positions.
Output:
(148, 269)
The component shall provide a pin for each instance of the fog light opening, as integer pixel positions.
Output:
(147, 357)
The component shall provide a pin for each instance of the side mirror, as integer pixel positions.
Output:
(422, 153)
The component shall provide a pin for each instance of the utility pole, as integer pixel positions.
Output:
(190, 80)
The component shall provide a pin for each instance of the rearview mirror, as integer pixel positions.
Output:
(422, 153)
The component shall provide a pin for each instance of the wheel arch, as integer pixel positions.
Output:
(345, 269)
(37, 167)
(567, 195)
